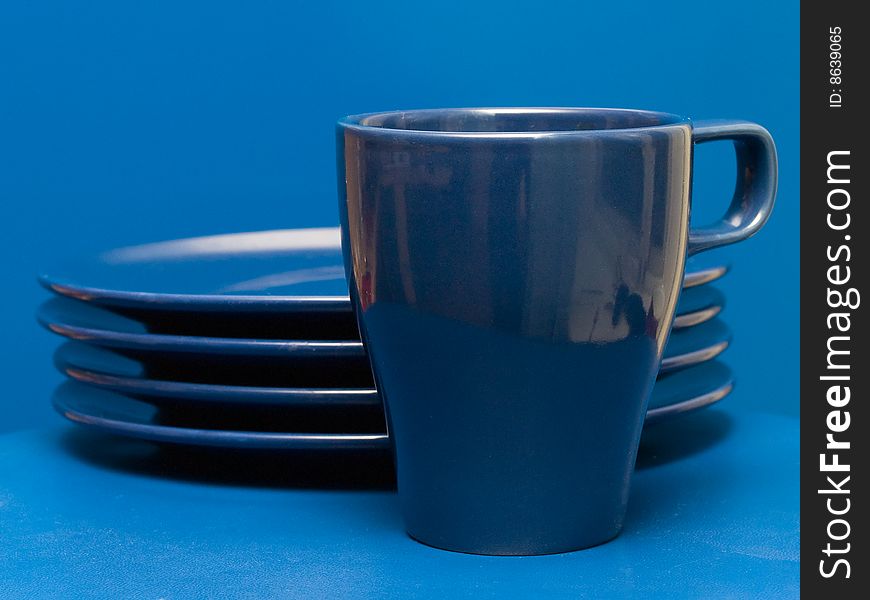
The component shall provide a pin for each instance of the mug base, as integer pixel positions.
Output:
(526, 549)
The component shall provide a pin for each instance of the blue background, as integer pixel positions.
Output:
(123, 123)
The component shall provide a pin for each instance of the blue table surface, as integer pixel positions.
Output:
(713, 513)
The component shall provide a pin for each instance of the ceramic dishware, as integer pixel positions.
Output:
(308, 387)
(106, 370)
(677, 394)
(192, 356)
(83, 322)
(114, 413)
(698, 305)
(256, 281)
(515, 273)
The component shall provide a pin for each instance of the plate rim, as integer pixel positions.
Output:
(303, 396)
(54, 281)
(291, 349)
(188, 436)
(183, 344)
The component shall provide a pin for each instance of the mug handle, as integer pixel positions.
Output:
(755, 192)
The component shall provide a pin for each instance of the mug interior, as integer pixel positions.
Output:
(515, 120)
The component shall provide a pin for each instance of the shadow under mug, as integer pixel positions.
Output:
(515, 274)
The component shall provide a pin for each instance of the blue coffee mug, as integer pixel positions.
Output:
(515, 274)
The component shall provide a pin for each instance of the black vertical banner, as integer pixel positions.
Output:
(835, 362)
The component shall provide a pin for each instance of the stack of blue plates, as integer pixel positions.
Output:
(249, 341)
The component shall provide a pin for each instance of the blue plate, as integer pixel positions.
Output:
(100, 327)
(106, 370)
(674, 394)
(698, 305)
(696, 274)
(114, 413)
(694, 345)
(683, 391)
(287, 271)
(289, 387)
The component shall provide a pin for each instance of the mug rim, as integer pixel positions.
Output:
(362, 122)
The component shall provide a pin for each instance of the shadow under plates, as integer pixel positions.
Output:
(220, 466)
